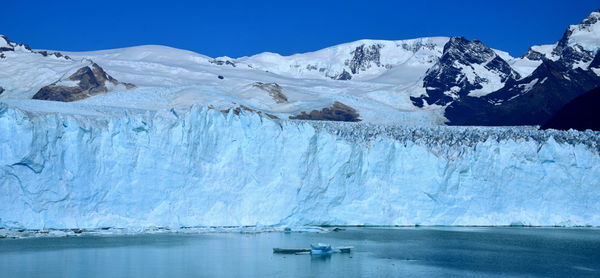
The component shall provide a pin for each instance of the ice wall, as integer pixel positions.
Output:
(201, 167)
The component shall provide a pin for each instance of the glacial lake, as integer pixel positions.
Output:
(378, 252)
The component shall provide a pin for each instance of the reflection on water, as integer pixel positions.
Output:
(378, 252)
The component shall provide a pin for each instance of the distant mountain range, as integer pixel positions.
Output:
(425, 81)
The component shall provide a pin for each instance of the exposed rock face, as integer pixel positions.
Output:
(534, 55)
(1, 90)
(364, 57)
(582, 113)
(464, 67)
(86, 82)
(274, 90)
(336, 112)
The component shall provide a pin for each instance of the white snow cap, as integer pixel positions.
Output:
(4, 42)
(587, 33)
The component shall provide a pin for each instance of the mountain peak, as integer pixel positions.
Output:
(585, 35)
(6, 44)
(580, 42)
(470, 51)
(467, 67)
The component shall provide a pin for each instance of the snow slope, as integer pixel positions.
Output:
(409, 55)
(171, 78)
(168, 78)
(92, 166)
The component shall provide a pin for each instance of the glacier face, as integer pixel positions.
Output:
(96, 168)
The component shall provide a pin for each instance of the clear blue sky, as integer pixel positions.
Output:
(239, 28)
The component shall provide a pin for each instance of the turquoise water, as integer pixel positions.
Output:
(402, 252)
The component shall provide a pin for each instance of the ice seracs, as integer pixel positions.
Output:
(88, 167)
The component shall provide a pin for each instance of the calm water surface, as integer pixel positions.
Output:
(403, 252)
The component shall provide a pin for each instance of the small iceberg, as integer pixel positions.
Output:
(320, 249)
(315, 249)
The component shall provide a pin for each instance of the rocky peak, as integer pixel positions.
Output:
(7, 45)
(465, 68)
(467, 52)
(580, 42)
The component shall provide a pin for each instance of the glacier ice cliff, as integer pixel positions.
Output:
(96, 167)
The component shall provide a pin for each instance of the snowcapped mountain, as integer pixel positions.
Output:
(466, 68)
(564, 71)
(359, 60)
(426, 81)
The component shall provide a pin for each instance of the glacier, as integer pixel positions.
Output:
(94, 167)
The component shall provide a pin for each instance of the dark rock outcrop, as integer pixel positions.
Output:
(343, 76)
(596, 62)
(336, 112)
(274, 90)
(363, 57)
(90, 81)
(581, 113)
(222, 62)
(1, 90)
(534, 55)
(55, 54)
